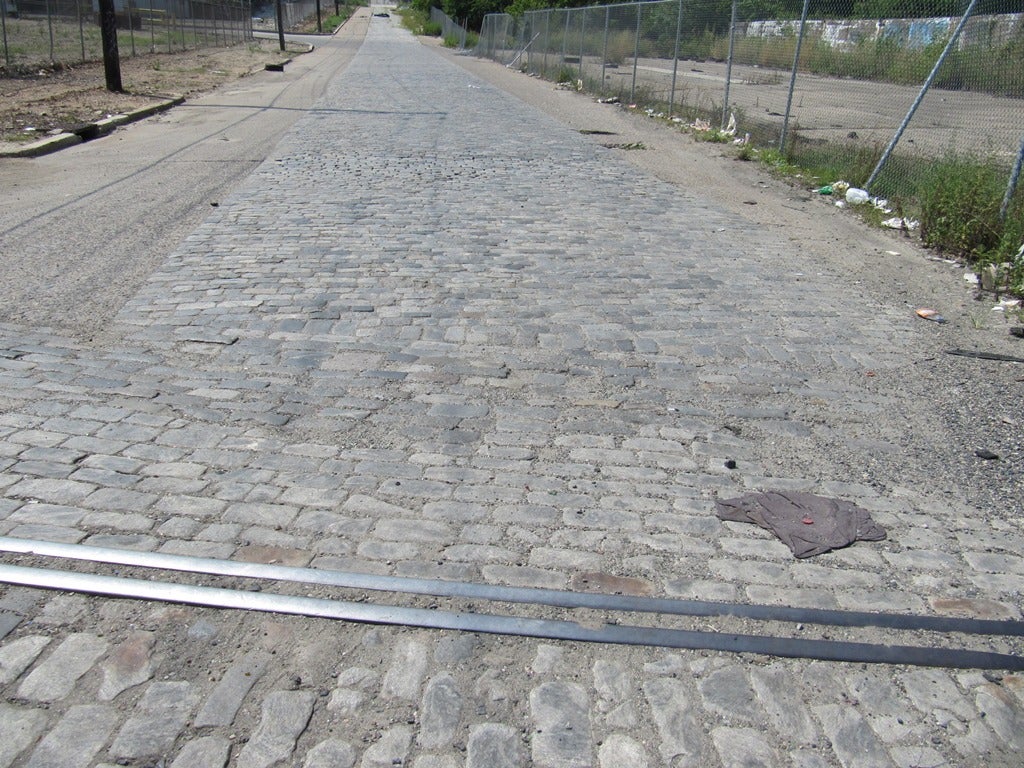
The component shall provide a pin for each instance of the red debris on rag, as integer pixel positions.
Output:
(837, 523)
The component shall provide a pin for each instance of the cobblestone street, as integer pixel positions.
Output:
(439, 334)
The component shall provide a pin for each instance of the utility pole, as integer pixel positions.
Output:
(108, 34)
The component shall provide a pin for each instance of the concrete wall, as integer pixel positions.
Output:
(992, 30)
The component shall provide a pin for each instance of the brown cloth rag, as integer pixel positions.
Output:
(807, 524)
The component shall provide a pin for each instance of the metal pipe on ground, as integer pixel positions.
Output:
(784, 647)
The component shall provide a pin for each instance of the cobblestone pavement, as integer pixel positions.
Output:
(438, 334)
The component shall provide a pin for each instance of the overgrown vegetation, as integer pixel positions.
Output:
(960, 202)
(416, 18)
(956, 198)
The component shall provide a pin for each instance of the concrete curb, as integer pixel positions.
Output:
(278, 66)
(87, 132)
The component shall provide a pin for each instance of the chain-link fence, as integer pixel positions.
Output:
(39, 33)
(839, 84)
(451, 30)
(293, 13)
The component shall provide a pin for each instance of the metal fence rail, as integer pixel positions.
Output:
(38, 33)
(829, 84)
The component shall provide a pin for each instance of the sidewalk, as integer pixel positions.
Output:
(440, 335)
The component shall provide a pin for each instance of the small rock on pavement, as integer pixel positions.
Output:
(204, 752)
(333, 753)
(285, 716)
(492, 745)
(619, 750)
(562, 726)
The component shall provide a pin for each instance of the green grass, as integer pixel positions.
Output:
(418, 21)
(332, 22)
(454, 41)
(412, 18)
(960, 200)
(831, 162)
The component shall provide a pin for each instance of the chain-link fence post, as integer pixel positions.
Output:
(530, 37)
(565, 36)
(792, 78)
(675, 59)
(636, 54)
(728, 62)
(604, 47)
(547, 42)
(920, 96)
(517, 42)
(523, 42)
(1011, 186)
(583, 32)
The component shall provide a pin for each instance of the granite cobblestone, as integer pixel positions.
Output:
(349, 382)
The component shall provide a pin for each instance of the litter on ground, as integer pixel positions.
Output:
(808, 524)
(930, 314)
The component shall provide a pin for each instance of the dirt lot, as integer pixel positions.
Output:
(57, 99)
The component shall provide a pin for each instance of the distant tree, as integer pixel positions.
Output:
(470, 13)
(923, 9)
(713, 15)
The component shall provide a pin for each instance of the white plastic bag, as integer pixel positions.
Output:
(856, 196)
